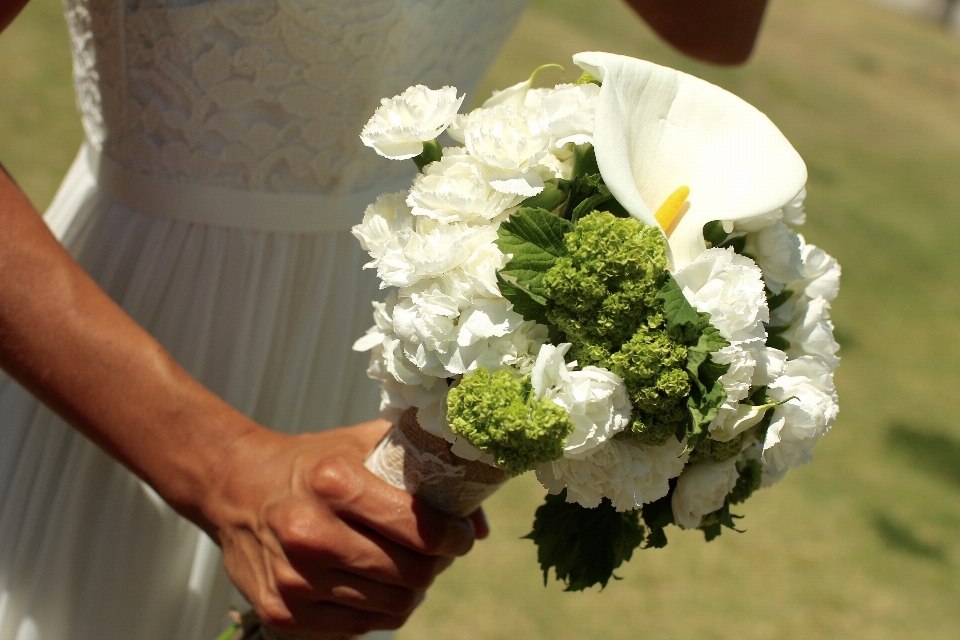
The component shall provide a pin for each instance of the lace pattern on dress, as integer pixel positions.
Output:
(266, 94)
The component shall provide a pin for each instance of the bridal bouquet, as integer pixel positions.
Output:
(599, 282)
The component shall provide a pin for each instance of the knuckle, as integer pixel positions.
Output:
(335, 480)
(297, 527)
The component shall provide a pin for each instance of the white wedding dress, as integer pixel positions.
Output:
(212, 199)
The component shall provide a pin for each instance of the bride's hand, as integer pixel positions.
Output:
(318, 543)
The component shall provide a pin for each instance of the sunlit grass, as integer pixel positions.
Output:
(864, 542)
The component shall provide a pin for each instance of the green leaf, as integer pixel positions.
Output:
(528, 304)
(677, 310)
(778, 300)
(585, 161)
(586, 78)
(535, 238)
(583, 546)
(588, 205)
(658, 515)
(706, 391)
(714, 234)
(555, 193)
(775, 340)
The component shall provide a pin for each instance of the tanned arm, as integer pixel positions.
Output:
(309, 536)
(717, 31)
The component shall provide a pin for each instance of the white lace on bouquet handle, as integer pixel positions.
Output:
(422, 464)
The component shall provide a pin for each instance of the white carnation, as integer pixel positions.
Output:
(519, 349)
(776, 249)
(381, 221)
(401, 124)
(702, 489)
(457, 188)
(430, 250)
(739, 376)
(480, 270)
(490, 334)
(511, 143)
(553, 166)
(730, 288)
(770, 362)
(567, 112)
(595, 399)
(427, 323)
(798, 423)
(629, 475)
(382, 324)
(793, 212)
(820, 271)
(811, 332)
(732, 421)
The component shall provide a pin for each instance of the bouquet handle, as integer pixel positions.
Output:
(422, 464)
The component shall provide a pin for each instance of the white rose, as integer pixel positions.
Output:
(401, 124)
(381, 221)
(456, 189)
(820, 271)
(629, 475)
(811, 332)
(567, 113)
(776, 249)
(798, 424)
(730, 288)
(702, 489)
(511, 143)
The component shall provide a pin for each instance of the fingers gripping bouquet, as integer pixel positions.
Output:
(598, 282)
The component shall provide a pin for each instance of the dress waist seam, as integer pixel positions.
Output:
(214, 205)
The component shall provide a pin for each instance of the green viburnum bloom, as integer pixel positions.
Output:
(497, 413)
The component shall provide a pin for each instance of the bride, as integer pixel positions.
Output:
(193, 280)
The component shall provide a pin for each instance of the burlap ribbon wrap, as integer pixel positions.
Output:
(421, 464)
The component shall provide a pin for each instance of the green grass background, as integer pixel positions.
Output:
(865, 541)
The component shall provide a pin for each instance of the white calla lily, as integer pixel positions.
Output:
(658, 129)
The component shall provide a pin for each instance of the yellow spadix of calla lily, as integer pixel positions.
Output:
(657, 128)
(666, 215)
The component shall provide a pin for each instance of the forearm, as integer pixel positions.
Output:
(66, 341)
(717, 31)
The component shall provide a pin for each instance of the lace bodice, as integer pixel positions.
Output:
(267, 94)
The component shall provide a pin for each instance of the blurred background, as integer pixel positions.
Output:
(865, 541)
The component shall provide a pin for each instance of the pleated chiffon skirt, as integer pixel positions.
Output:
(263, 319)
